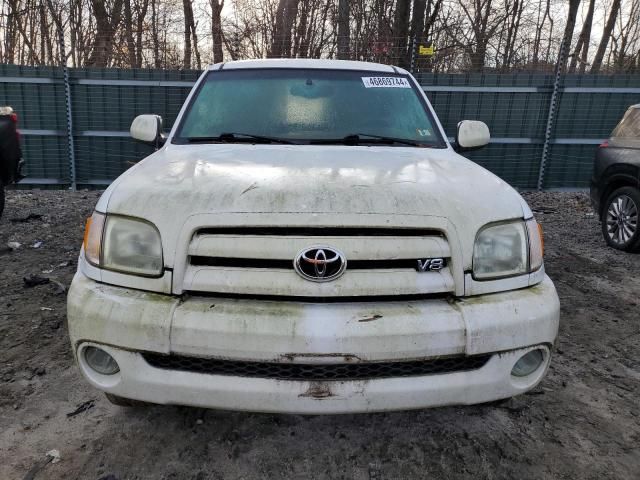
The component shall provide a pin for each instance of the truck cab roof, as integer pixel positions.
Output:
(307, 63)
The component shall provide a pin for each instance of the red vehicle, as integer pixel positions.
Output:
(10, 153)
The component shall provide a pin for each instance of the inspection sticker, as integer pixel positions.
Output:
(385, 82)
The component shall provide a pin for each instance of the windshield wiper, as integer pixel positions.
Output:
(357, 138)
(229, 137)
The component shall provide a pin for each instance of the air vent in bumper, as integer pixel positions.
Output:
(317, 372)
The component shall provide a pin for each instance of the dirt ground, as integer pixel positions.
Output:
(583, 421)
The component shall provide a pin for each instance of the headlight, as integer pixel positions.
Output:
(123, 244)
(507, 249)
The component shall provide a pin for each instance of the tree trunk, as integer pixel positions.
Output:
(300, 32)
(538, 37)
(479, 17)
(196, 51)
(568, 31)
(582, 48)
(400, 32)
(10, 38)
(128, 33)
(425, 32)
(513, 26)
(155, 38)
(606, 35)
(141, 12)
(343, 29)
(478, 55)
(106, 26)
(417, 25)
(188, 23)
(216, 30)
(285, 16)
(45, 36)
(19, 17)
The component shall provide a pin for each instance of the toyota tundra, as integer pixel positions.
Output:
(306, 239)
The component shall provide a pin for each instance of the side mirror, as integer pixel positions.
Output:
(148, 129)
(471, 135)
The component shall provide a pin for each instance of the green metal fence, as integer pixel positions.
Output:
(515, 106)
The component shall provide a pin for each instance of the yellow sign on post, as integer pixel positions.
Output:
(427, 51)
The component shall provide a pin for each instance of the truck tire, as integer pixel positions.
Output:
(1, 198)
(620, 215)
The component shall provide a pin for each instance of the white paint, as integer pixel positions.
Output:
(140, 381)
(182, 189)
(146, 128)
(473, 134)
(305, 63)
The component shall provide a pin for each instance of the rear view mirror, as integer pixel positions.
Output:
(147, 129)
(471, 135)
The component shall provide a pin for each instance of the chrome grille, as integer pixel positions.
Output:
(259, 261)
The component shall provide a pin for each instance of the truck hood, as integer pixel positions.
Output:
(180, 181)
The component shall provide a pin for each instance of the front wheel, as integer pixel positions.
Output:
(1, 198)
(620, 219)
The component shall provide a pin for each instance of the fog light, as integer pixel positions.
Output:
(528, 363)
(100, 361)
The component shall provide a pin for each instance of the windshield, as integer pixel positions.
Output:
(308, 106)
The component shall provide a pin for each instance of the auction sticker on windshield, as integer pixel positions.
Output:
(385, 82)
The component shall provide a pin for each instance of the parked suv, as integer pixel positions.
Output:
(10, 153)
(307, 240)
(615, 185)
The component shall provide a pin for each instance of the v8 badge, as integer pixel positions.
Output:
(430, 264)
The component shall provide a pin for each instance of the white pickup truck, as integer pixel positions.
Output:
(307, 240)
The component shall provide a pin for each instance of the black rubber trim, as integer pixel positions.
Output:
(309, 299)
(410, 263)
(317, 372)
(322, 231)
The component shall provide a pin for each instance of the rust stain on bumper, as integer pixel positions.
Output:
(318, 391)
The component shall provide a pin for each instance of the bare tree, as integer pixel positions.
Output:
(216, 29)
(484, 21)
(512, 27)
(128, 31)
(189, 35)
(343, 29)
(468, 35)
(568, 30)
(107, 15)
(401, 30)
(540, 23)
(625, 48)
(285, 17)
(141, 8)
(155, 37)
(606, 35)
(582, 47)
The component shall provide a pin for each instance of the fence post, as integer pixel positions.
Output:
(67, 98)
(562, 55)
(413, 54)
(236, 45)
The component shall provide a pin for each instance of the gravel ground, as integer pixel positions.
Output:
(583, 421)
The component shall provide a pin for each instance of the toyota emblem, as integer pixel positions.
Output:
(320, 264)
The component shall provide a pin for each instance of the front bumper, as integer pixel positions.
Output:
(125, 322)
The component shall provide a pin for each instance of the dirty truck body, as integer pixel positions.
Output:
(313, 271)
